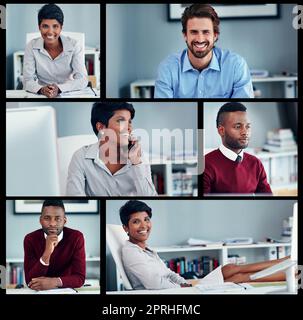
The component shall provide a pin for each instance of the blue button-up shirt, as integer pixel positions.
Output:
(227, 76)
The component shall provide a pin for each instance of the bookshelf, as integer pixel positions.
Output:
(92, 63)
(175, 178)
(145, 88)
(281, 170)
(142, 89)
(289, 84)
(15, 270)
(253, 253)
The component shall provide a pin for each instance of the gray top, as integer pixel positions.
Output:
(146, 270)
(89, 176)
(67, 70)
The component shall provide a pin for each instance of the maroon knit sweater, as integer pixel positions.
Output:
(222, 175)
(67, 260)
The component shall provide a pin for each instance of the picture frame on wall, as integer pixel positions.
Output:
(231, 11)
(71, 206)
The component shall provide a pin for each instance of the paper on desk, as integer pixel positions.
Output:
(58, 291)
(87, 91)
(213, 278)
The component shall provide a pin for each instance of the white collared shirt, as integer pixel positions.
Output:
(67, 70)
(229, 154)
(89, 176)
(146, 270)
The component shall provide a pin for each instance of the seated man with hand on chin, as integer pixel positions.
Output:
(54, 256)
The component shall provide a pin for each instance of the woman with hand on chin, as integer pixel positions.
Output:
(146, 270)
(53, 63)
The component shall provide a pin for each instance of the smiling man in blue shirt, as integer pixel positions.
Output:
(203, 70)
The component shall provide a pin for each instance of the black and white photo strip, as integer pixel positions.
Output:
(153, 157)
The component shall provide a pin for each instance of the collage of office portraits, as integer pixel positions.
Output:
(151, 153)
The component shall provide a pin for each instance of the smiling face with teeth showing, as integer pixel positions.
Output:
(138, 228)
(50, 30)
(200, 38)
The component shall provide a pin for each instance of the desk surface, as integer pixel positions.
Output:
(259, 288)
(21, 94)
(82, 290)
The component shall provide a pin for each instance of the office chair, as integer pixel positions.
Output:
(66, 148)
(115, 238)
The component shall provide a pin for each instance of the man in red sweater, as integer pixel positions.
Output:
(54, 256)
(229, 169)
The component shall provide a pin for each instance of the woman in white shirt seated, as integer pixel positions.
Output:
(146, 270)
(53, 63)
(115, 165)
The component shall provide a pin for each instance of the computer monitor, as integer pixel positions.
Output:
(31, 152)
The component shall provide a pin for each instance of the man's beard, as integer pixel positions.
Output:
(234, 144)
(200, 54)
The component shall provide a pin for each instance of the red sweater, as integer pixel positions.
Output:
(222, 175)
(67, 260)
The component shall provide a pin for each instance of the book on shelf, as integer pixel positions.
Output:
(283, 170)
(239, 241)
(199, 266)
(158, 181)
(259, 73)
(16, 275)
(281, 252)
(236, 259)
(144, 92)
(280, 140)
(182, 183)
(272, 253)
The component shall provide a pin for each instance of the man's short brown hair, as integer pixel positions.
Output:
(200, 11)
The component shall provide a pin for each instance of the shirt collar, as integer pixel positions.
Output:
(60, 236)
(145, 249)
(92, 152)
(214, 62)
(67, 43)
(231, 155)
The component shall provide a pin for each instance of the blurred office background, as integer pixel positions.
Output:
(19, 225)
(23, 18)
(170, 177)
(280, 159)
(140, 36)
(175, 221)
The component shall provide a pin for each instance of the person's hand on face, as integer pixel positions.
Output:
(51, 243)
(135, 152)
(44, 283)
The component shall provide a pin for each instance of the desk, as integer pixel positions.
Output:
(22, 94)
(82, 290)
(258, 288)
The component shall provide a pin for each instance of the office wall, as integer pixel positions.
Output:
(173, 222)
(264, 116)
(17, 226)
(139, 37)
(22, 19)
(120, 38)
(74, 117)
